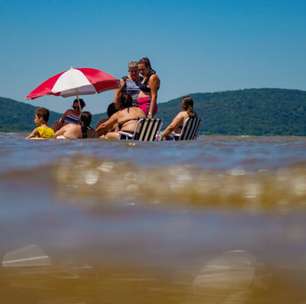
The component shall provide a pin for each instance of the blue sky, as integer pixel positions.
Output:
(195, 46)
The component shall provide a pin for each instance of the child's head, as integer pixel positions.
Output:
(85, 121)
(41, 116)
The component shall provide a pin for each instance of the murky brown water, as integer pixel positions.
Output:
(219, 220)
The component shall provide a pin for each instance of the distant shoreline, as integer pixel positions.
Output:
(249, 112)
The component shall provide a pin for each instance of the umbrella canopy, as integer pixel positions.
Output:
(75, 82)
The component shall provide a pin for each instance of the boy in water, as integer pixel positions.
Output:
(42, 130)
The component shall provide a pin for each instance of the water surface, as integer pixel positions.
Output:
(218, 220)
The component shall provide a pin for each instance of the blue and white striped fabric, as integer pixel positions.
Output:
(72, 118)
(131, 88)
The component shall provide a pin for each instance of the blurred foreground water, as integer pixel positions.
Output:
(219, 220)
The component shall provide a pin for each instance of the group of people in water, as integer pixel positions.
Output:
(136, 98)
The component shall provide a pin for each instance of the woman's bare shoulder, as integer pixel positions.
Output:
(121, 113)
(154, 77)
(182, 114)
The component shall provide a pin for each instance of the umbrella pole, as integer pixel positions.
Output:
(80, 109)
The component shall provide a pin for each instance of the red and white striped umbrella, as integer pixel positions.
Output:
(75, 82)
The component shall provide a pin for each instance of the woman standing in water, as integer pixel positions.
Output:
(149, 86)
(129, 84)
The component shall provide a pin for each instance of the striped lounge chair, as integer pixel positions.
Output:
(146, 130)
(190, 130)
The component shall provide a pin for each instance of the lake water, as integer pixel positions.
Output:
(217, 220)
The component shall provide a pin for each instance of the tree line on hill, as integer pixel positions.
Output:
(240, 112)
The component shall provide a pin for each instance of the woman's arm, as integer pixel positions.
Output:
(118, 93)
(154, 85)
(60, 122)
(104, 127)
(176, 122)
(61, 131)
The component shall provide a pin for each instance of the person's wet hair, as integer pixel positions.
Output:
(111, 109)
(43, 113)
(85, 121)
(126, 101)
(187, 105)
(76, 103)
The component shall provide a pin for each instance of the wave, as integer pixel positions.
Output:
(105, 181)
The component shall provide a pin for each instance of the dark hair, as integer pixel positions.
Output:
(146, 61)
(43, 113)
(77, 102)
(111, 109)
(187, 105)
(85, 120)
(126, 101)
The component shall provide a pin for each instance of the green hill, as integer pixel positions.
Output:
(247, 112)
(18, 116)
(241, 112)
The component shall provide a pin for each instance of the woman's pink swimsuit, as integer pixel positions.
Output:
(144, 104)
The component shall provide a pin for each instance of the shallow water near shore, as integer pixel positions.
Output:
(217, 220)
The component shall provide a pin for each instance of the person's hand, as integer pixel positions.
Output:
(149, 115)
